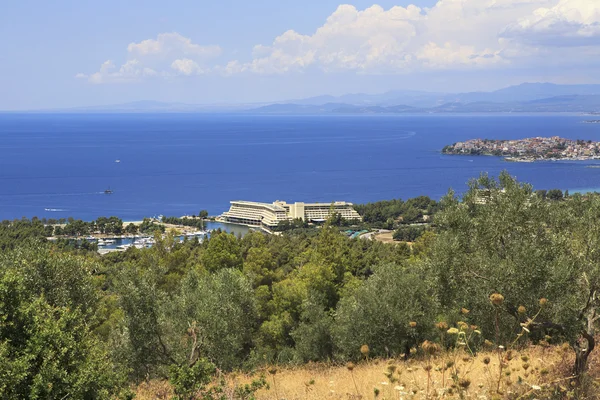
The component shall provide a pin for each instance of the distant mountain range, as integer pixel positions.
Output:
(527, 97)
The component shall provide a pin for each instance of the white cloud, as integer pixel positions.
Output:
(167, 56)
(568, 23)
(451, 35)
(187, 67)
(167, 44)
(128, 72)
(454, 34)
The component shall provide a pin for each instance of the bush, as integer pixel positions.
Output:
(379, 313)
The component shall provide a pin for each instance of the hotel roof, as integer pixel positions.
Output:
(272, 207)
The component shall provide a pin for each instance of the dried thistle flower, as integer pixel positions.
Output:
(486, 360)
(464, 311)
(430, 347)
(350, 366)
(442, 326)
(464, 383)
(364, 350)
(522, 310)
(497, 299)
(412, 324)
(543, 301)
(272, 370)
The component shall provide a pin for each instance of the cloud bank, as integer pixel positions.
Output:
(169, 55)
(452, 35)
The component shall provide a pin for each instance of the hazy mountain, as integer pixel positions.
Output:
(527, 97)
(300, 108)
(568, 103)
(421, 99)
(150, 106)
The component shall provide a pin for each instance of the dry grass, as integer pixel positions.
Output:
(535, 372)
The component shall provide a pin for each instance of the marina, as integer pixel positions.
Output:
(124, 242)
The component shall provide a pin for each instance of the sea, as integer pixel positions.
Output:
(60, 165)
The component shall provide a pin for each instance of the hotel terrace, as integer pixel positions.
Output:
(268, 215)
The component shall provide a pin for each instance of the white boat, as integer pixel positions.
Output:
(109, 241)
(197, 233)
(101, 242)
(124, 246)
(117, 161)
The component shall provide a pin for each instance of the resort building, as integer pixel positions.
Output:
(269, 215)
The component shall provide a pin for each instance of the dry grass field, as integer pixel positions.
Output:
(533, 373)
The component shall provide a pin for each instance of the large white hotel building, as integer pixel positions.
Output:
(269, 215)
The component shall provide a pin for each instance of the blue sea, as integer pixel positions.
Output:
(58, 165)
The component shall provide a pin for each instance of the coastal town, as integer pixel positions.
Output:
(529, 149)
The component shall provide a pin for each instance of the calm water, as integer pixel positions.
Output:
(59, 165)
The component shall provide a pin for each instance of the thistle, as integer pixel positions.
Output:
(364, 350)
(350, 367)
(442, 326)
(497, 299)
(430, 348)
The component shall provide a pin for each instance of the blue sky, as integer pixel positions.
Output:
(68, 53)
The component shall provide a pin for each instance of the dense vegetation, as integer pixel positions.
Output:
(390, 214)
(515, 267)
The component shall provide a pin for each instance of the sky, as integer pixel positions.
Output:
(71, 53)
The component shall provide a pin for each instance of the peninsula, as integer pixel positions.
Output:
(529, 150)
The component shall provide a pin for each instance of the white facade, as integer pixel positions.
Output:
(270, 215)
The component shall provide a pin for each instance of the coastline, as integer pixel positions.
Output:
(529, 149)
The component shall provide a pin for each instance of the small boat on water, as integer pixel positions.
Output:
(117, 161)
(108, 191)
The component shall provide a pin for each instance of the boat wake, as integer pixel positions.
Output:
(55, 210)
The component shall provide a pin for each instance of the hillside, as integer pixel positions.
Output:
(534, 372)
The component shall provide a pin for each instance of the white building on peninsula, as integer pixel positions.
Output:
(269, 215)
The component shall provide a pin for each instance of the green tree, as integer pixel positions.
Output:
(379, 312)
(222, 251)
(49, 308)
(554, 194)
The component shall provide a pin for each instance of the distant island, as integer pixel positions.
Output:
(592, 121)
(528, 150)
